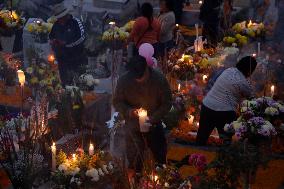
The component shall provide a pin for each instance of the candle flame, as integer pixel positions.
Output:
(53, 144)
(142, 112)
(177, 25)
(21, 77)
(200, 2)
(112, 23)
(179, 87)
(51, 58)
(74, 157)
(204, 77)
(250, 23)
(272, 88)
(156, 178)
(254, 55)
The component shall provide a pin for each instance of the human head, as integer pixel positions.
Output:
(60, 12)
(147, 11)
(137, 67)
(166, 5)
(247, 65)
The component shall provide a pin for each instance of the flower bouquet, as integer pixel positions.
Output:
(115, 34)
(83, 170)
(9, 22)
(40, 30)
(249, 29)
(259, 118)
(8, 68)
(43, 77)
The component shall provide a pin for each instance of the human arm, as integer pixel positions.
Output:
(166, 102)
(119, 101)
(78, 36)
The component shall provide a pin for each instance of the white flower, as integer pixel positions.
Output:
(95, 179)
(236, 125)
(75, 171)
(105, 169)
(167, 185)
(271, 111)
(63, 167)
(176, 67)
(110, 166)
(101, 173)
(92, 173)
(245, 109)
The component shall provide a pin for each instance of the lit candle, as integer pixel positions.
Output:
(185, 58)
(272, 89)
(253, 55)
(142, 119)
(190, 119)
(53, 152)
(177, 26)
(204, 78)
(74, 157)
(91, 149)
(21, 77)
(156, 178)
(51, 58)
(200, 2)
(250, 24)
(178, 87)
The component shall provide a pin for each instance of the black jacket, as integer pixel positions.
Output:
(72, 33)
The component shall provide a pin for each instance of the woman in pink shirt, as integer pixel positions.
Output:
(146, 28)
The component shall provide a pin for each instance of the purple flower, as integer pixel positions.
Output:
(258, 121)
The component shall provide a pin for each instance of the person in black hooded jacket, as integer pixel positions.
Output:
(210, 16)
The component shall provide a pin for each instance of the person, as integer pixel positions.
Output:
(146, 29)
(167, 20)
(67, 40)
(210, 16)
(220, 104)
(178, 10)
(143, 87)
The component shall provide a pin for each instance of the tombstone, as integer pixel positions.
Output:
(43, 49)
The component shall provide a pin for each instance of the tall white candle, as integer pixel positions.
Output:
(142, 119)
(179, 87)
(53, 161)
(21, 77)
(91, 149)
(196, 28)
(272, 89)
(258, 48)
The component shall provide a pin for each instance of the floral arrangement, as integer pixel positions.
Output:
(115, 33)
(249, 29)
(40, 30)
(43, 77)
(164, 177)
(259, 118)
(10, 19)
(8, 68)
(87, 81)
(81, 169)
(21, 151)
(237, 40)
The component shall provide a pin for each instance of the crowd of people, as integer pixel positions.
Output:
(144, 86)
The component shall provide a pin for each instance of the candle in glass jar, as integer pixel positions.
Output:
(143, 116)
(91, 149)
(272, 89)
(204, 78)
(190, 119)
(53, 153)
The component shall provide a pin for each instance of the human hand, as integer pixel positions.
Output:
(133, 113)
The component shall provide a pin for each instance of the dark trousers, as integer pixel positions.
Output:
(70, 70)
(138, 143)
(209, 119)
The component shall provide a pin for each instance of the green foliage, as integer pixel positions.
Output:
(232, 164)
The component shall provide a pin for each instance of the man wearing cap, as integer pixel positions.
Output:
(143, 87)
(67, 40)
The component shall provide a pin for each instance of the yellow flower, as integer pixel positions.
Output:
(76, 107)
(34, 80)
(41, 71)
(30, 28)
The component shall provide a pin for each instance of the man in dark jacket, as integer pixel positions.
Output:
(143, 87)
(67, 39)
(210, 16)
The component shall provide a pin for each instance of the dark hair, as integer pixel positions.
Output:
(147, 11)
(247, 65)
(137, 66)
(169, 4)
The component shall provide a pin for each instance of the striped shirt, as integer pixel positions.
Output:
(229, 90)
